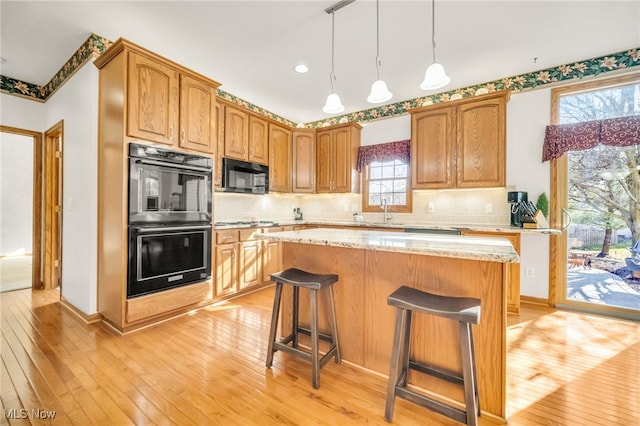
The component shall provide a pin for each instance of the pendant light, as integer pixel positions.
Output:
(435, 77)
(333, 104)
(379, 91)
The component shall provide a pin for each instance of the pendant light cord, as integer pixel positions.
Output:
(332, 76)
(433, 28)
(378, 61)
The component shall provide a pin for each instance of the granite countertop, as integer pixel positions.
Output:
(492, 249)
(390, 225)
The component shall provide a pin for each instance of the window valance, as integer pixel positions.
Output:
(399, 150)
(621, 131)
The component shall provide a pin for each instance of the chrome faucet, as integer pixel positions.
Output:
(384, 206)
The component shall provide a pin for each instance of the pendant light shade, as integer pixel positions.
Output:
(333, 104)
(435, 77)
(379, 90)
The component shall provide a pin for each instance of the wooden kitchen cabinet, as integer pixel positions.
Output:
(513, 288)
(279, 158)
(169, 105)
(336, 156)
(303, 169)
(143, 98)
(272, 253)
(250, 259)
(238, 260)
(246, 136)
(219, 151)
(226, 262)
(460, 144)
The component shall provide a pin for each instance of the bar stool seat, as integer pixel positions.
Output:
(314, 283)
(466, 311)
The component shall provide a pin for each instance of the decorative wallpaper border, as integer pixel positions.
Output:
(577, 71)
(258, 110)
(93, 47)
(96, 45)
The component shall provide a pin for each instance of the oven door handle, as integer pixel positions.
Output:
(171, 228)
(173, 165)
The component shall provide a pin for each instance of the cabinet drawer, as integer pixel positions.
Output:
(249, 234)
(227, 236)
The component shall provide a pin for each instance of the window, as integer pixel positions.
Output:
(389, 181)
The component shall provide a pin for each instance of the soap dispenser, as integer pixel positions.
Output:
(298, 213)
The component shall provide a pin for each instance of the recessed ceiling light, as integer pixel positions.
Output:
(301, 68)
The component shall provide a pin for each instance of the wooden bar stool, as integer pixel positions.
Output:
(314, 282)
(466, 311)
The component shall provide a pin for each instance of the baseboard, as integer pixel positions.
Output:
(534, 301)
(87, 319)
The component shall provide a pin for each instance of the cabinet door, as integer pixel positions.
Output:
(153, 101)
(250, 264)
(226, 269)
(279, 159)
(432, 139)
(324, 163)
(271, 259)
(236, 133)
(481, 141)
(219, 151)
(303, 168)
(342, 160)
(258, 140)
(197, 114)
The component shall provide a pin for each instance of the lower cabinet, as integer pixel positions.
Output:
(513, 289)
(242, 261)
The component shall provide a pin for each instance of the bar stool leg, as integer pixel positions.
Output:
(315, 368)
(467, 372)
(274, 324)
(334, 325)
(396, 357)
(473, 363)
(295, 321)
(405, 349)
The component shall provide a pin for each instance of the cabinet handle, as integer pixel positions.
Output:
(183, 136)
(233, 254)
(171, 133)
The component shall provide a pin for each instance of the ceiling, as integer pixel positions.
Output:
(251, 47)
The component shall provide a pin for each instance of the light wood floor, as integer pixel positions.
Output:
(208, 368)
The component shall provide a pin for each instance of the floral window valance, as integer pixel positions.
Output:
(399, 150)
(621, 131)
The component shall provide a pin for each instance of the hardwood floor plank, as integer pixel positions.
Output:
(564, 368)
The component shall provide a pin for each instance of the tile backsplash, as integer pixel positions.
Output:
(460, 206)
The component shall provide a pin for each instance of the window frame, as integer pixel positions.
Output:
(375, 208)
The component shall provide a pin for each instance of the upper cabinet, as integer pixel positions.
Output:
(169, 105)
(279, 158)
(336, 156)
(303, 168)
(246, 136)
(460, 144)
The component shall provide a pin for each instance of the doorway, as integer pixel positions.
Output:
(13, 243)
(596, 198)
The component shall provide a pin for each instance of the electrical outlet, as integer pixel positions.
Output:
(431, 208)
(488, 208)
(529, 272)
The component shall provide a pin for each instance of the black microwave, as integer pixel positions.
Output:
(243, 177)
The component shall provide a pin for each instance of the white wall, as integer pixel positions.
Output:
(21, 113)
(76, 102)
(16, 187)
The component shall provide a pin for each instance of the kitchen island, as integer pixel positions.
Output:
(372, 264)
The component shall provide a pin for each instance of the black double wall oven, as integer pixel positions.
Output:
(170, 198)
